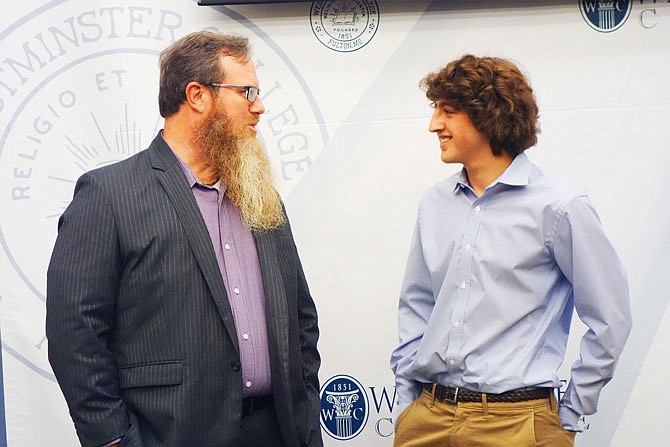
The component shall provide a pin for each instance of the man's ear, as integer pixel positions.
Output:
(198, 97)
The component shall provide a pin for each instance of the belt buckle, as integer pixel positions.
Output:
(451, 400)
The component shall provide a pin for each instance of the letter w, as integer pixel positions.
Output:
(384, 397)
(327, 414)
(590, 6)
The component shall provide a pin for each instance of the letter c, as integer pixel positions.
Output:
(388, 432)
(643, 22)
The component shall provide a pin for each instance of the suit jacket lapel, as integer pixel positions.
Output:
(171, 178)
(276, 309)
(276, 306)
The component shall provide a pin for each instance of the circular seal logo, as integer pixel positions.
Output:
(345, 25)
(605, 16)
(77, 91)
(344, 407)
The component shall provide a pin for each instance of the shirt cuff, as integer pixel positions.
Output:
(571, 420)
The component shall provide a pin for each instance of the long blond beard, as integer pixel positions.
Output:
(244, 170)
(250, 186)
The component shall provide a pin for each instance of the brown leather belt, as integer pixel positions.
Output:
(455, 395)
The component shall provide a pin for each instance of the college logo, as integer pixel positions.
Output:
(344, 407)
(77, 91)
(605, 16)
(345, 25)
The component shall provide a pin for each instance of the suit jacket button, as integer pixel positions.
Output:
(235, 365)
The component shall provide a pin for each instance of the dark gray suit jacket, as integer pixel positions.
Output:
(140, 331)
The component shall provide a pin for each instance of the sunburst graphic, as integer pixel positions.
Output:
(121, 141)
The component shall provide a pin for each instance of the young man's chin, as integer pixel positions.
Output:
(448, 159)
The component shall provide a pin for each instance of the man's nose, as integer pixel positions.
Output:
(436, 124)
(257, 106)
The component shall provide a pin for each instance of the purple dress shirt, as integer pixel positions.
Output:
(238, 261)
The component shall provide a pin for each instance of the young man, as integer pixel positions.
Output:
(501, 256)
(177, 309)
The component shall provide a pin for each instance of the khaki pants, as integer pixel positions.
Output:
(427, 422)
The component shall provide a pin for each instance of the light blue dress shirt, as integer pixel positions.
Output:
(491, 284)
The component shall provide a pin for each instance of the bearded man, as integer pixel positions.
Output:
(177, 309)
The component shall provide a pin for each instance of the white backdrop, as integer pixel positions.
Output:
(346, 130)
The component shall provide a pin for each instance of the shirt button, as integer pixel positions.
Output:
(468, 246)
(478, 209)
(226, 246)
(245, 336)
(457, 324)
(236, 291)
(451, 362)
(248, 384)
(463, 285)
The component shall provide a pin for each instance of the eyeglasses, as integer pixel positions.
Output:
(250, 91)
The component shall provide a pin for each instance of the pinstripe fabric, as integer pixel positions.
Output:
(261, 429)
(141, 334)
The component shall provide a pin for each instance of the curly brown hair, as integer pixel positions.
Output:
(194, 57)
(496, 96)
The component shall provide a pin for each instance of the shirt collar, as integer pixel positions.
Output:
(516, 174)
(192, 179)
